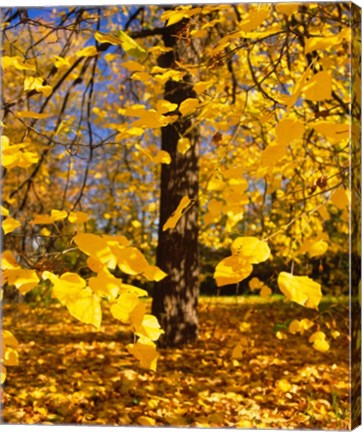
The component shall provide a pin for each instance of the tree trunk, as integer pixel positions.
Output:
(175, 297)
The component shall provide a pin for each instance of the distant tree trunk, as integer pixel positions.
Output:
(175, 297)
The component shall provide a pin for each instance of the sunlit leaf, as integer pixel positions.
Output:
(89, 51)
(23, 279)
(319, 87)
(284, 385)
(32, 114)
(335, 132)
(289, 130)
(127, 304)
(325, 42)
(177, 214)
(232, 270)
(153, 273)
(131, 46)
(251, 249)
(340, 198)
(17, 62)
(254, 19)
(78, 217)
(86, 307)
(183, 144)
(9, 225)
(10, 357)
(319, 341)
(105, 284)
(188, 106)
(149, 328)
(144, 350)
(162, 157)
(96, 247)
(300, 289)
(287, 8)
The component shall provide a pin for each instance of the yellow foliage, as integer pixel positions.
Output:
(232, 270)
(251, 249)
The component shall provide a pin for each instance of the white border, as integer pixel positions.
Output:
(55, 3)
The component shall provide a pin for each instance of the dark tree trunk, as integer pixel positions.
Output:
(175, 297)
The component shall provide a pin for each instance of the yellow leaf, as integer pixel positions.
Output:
(131, 261)
(9, 339)
(8, 261)
(294, 327)
(335, 132)
(61, 62)
(4, 211)
(89, 51)
(133, 66)
(162, 157)
(10, 357)
(2, 374)
(96, 247)
(300, 289)
(32, 114)
(32, 83)
(149, 328)
(183, 144)
(23, 279)
(17, 62)
(319, 87)
(232, 270)
(284, 385)
(131, 46)
(177, 214)
(131, 289)
(66, 287)
(188, 106)
(289, 130)
(237, 352)
(272, 155)
(164, 106)
(78, 217)
(42, 220)
(106, 38)
(153, 273)
(254, 19)
(265, 291)
(305, 324)
(86, 307)
(341, 198)
(321, 43)
(146, 421)
(58, 215)
(126, 304)
(317, 248)
(287, 8)
(251, 249)
(9, 224)
(255, 284)
(105, 284)
(144, 350)
(321, 345)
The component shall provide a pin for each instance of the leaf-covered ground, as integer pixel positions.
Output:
(71, 373)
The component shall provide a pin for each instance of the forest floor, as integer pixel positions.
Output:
(70, 373)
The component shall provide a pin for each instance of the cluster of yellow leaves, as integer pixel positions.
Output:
(83, 299)
(16, 155)
(256, 284)
(14, 275)
(237, 267)
(9, 354)
(58, 215)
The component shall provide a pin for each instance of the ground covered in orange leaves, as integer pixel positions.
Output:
(71, 373)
